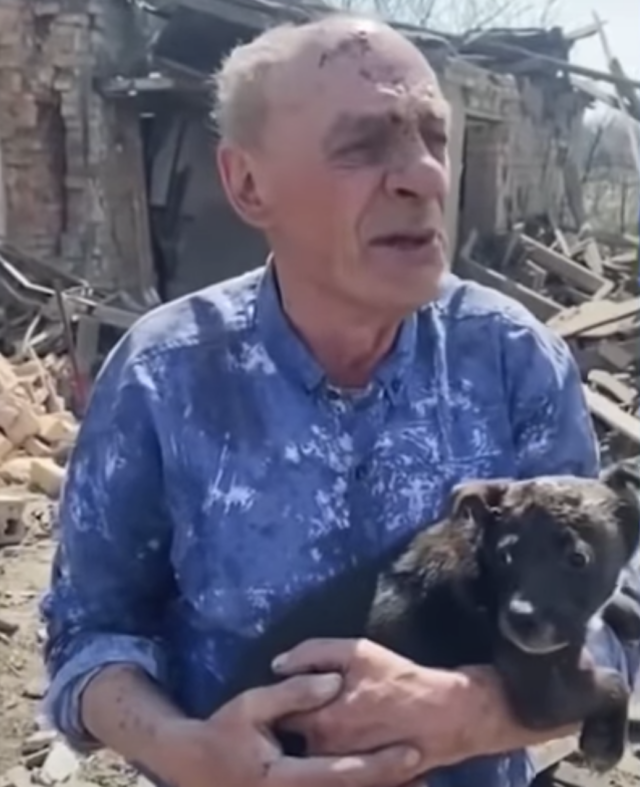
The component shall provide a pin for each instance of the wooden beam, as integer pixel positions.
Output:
(615, 387)
(596, 319)
(616, 418)
(563, 267)
(542, 307)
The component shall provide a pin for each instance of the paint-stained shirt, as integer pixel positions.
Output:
(217, 476)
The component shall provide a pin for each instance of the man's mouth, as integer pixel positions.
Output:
(406, 241)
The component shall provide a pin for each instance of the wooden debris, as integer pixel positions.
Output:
(565, 268)
(544, 308)
(590, 298)
(598, 319)
(41, 739)
(612, 385)
(603, 408)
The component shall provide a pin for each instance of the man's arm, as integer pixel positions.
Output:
(112, 576)
(553, 435)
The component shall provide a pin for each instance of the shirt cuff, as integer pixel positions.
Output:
(62, 701)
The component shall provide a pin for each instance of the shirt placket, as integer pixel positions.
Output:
(362, 418)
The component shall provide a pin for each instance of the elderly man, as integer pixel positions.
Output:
(249, 441)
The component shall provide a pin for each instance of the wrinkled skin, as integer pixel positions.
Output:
(349, 188)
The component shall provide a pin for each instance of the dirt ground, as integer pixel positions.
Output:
(27, 752)
(24, 573)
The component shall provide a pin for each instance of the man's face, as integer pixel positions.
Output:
(353, 169)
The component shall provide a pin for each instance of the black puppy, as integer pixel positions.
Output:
(512, 578)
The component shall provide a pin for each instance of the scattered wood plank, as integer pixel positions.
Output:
(564, 267)
(620, 421)
(619, 390)
(593, 258)
(597, 319)
(544, 308)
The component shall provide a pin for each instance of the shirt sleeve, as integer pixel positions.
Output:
(554, 435)
(111, 577)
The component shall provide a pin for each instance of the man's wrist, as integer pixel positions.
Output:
(493, 727)
(471, 699)
(487, 725)
(179, 746)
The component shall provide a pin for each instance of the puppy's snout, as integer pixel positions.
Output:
(523, 618)
(524, 625)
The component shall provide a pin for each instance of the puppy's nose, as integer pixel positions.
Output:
(523, 616)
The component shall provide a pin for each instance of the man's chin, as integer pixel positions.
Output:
(421, 272)
(415, 290)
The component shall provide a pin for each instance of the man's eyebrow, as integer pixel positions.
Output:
(349, 125)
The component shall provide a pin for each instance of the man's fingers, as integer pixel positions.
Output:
(392, 765)
(294, 695)
(322, 655)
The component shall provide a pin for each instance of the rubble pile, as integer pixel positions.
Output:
(587, 290)
(36, 434)
(45, 756)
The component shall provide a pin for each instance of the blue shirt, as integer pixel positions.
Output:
(217, 476)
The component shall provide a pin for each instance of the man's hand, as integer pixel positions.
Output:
(236, 746)
(449, 716)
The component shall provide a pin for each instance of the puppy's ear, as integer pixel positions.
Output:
(624, 479)
(478, 501)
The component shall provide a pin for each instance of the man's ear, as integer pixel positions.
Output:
(240, 177)
(478, 501)
(624, 479)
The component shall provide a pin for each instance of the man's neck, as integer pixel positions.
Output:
(348, 345)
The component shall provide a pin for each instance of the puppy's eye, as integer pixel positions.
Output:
(505, 558)
(578, 559)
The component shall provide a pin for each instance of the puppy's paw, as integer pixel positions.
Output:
(622, 614)
(602, 745)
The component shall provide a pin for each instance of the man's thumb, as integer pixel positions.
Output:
(294, 695)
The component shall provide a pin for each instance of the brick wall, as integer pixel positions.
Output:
(57, 137)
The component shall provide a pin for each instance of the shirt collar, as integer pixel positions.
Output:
(292, 356)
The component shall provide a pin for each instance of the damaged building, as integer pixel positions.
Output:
(104, 131)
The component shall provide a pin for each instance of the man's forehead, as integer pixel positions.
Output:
(365, 63)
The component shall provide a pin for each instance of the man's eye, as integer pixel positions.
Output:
(364, 149)
(353, 147)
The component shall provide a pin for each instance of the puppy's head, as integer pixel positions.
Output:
(552, 550)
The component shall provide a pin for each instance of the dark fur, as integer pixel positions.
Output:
(439, 600)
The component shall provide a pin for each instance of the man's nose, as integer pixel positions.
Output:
(418, 174)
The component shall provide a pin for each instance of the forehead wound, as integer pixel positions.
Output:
(341, 48)
(377, 54)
